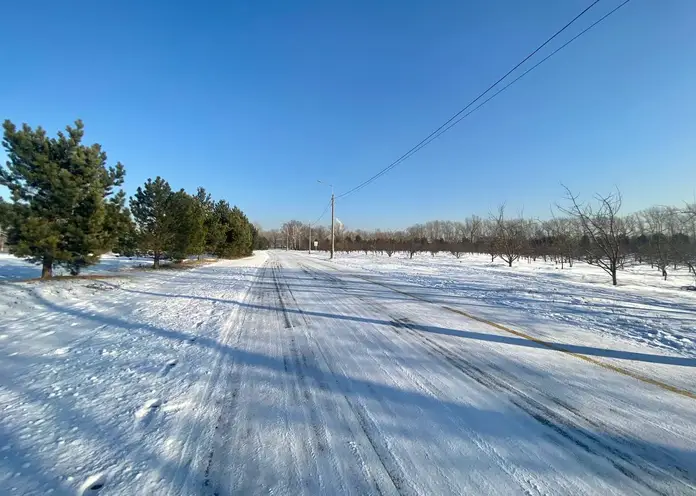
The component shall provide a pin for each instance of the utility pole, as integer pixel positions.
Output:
(333, 216)
(310, 239)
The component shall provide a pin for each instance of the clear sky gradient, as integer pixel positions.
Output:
(256, 100)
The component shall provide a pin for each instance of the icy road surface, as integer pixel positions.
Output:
(288, 374)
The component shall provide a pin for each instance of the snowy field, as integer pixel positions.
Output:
(16, 269)
(644, 308)
(87, 365)
(285, 373)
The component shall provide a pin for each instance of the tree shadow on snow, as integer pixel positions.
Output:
(519, 421)
(460, 333)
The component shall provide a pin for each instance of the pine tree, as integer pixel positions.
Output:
(211, 227)
(6, 213)
(126, 243)
(150, 208)
(117, 220)
(236, 232)
(199, 225)
(188, 227)
(59, 190)
(240, 234)
(119, 227)
(217, 228)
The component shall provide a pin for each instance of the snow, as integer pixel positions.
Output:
(94, 373)
(14, 269)
(285, 373)
(643, 308)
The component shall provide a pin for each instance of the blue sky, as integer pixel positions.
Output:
(257, 100)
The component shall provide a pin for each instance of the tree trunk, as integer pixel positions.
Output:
(156, 261)
(510, 263)
(664, 273)
(47, 269)
(613, 276)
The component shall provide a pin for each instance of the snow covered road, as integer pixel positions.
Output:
(292, 375)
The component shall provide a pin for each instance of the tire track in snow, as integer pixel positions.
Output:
(236, 438)
(354, 449)
(575, 434)
(193, 456)
(428, 388)
(569, 430)
(314, 388)
(370, 432)
(552, 346)
(319, 445)
(304, 454)
(324, 384)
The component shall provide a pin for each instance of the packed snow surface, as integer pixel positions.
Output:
(286, 373)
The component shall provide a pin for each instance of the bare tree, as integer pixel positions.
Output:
(660, 246)
(275, 238)
(685, 243)
(472, 228)
(293, 231)
(459, 234)
(456, 248)
(690, 210)
(565, 234)
(606, 232)
(509, 240)
(449, 231)
(386, 242)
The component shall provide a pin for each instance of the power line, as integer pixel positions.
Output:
(322, 214)
(423, 144)
(444, 127)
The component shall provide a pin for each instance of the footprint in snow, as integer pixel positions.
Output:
(148, 410)
(93, 484)
(167, 367)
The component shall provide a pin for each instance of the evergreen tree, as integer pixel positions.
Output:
(261, 242)
(217, 228)
(241, 233)
(120, 230)
(188, 237)
(59, 190)
(199, 228)
(237, 239)
(5, 214)
(118, 223)
(212, 232)
(150, 208)
(126, 243)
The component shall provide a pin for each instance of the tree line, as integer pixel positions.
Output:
(66, 207)
(594, 232)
